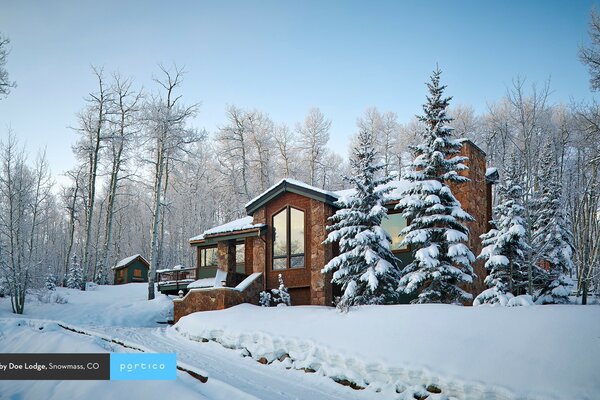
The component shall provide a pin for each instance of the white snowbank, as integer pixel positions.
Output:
(537, 352)
(118, 305)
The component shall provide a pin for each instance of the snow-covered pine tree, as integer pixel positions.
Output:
(280, 296)
(51, 281)
(505, 245)
(552, 239)
(75, 275)
(366, 268)
(436, 232)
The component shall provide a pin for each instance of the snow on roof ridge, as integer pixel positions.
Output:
(231, 226)
(293, 182)
(126, 261)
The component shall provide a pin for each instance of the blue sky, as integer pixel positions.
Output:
(284, 57)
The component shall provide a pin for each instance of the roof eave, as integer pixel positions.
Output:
(286, 186)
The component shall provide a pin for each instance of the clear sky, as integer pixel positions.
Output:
(283, 57)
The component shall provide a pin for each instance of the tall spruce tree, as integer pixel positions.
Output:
(552, 239)
(442, 261)
(505, 245)
(366, 268)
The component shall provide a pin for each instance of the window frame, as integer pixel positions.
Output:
(288, 236)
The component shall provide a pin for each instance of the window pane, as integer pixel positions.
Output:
(240, 257)
(279, 235)
(297, 261)
(393, 224)
(297, 237)
(208, 257)
(280, 263)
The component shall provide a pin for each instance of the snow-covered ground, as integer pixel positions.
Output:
(118, 305)
(395, 352)
(538, 352)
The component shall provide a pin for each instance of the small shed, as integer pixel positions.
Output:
(131, 269)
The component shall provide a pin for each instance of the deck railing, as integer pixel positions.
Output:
(176, 278)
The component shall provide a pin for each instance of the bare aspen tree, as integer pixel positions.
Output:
(167, 137)
(284, 142)
(313, 135)
(123, 122)
(261, 128)
(23, 196)
(5, 83)
(92, 125)
(70, 197)
(233, 150)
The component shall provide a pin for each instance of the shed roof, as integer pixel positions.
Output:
(128, 260)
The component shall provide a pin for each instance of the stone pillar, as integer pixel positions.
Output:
(226, 255)
(320, 254)
(259, 251)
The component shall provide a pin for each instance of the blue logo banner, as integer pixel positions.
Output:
(143, 366)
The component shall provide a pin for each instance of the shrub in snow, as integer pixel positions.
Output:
(75, 275)
(91, 286)
(366, 269)
(557, 291)
(280, 296)
(493, 297)
(265, 299)
(277, 297)
(50, 281)
(505, 245)
(522, 300)
(437, 233)
(52, 296)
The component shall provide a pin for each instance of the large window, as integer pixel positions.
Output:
(288, 239)
(393, 224)
(208, 262)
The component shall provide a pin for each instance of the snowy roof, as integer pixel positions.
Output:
(492, 175)
(240, 224)
(128, 260)
(290, 185)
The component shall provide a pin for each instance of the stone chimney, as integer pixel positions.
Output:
(475, 198)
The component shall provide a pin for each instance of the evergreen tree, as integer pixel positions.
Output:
(552, 240)
(75, 275)
(436, 233)
(366, 268)
(505, 245)
(50, 281)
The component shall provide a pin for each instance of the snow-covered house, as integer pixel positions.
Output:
(131, 269)
(284, 233)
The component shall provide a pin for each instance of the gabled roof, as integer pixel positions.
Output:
(292, 186)
(238, 228)
(124, 263)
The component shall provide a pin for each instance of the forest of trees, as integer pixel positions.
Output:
(146, 180)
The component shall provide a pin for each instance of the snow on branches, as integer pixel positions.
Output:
(366, 268)
(436, 233)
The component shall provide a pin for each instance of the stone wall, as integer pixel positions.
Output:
(473, 196)
(209, 299)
